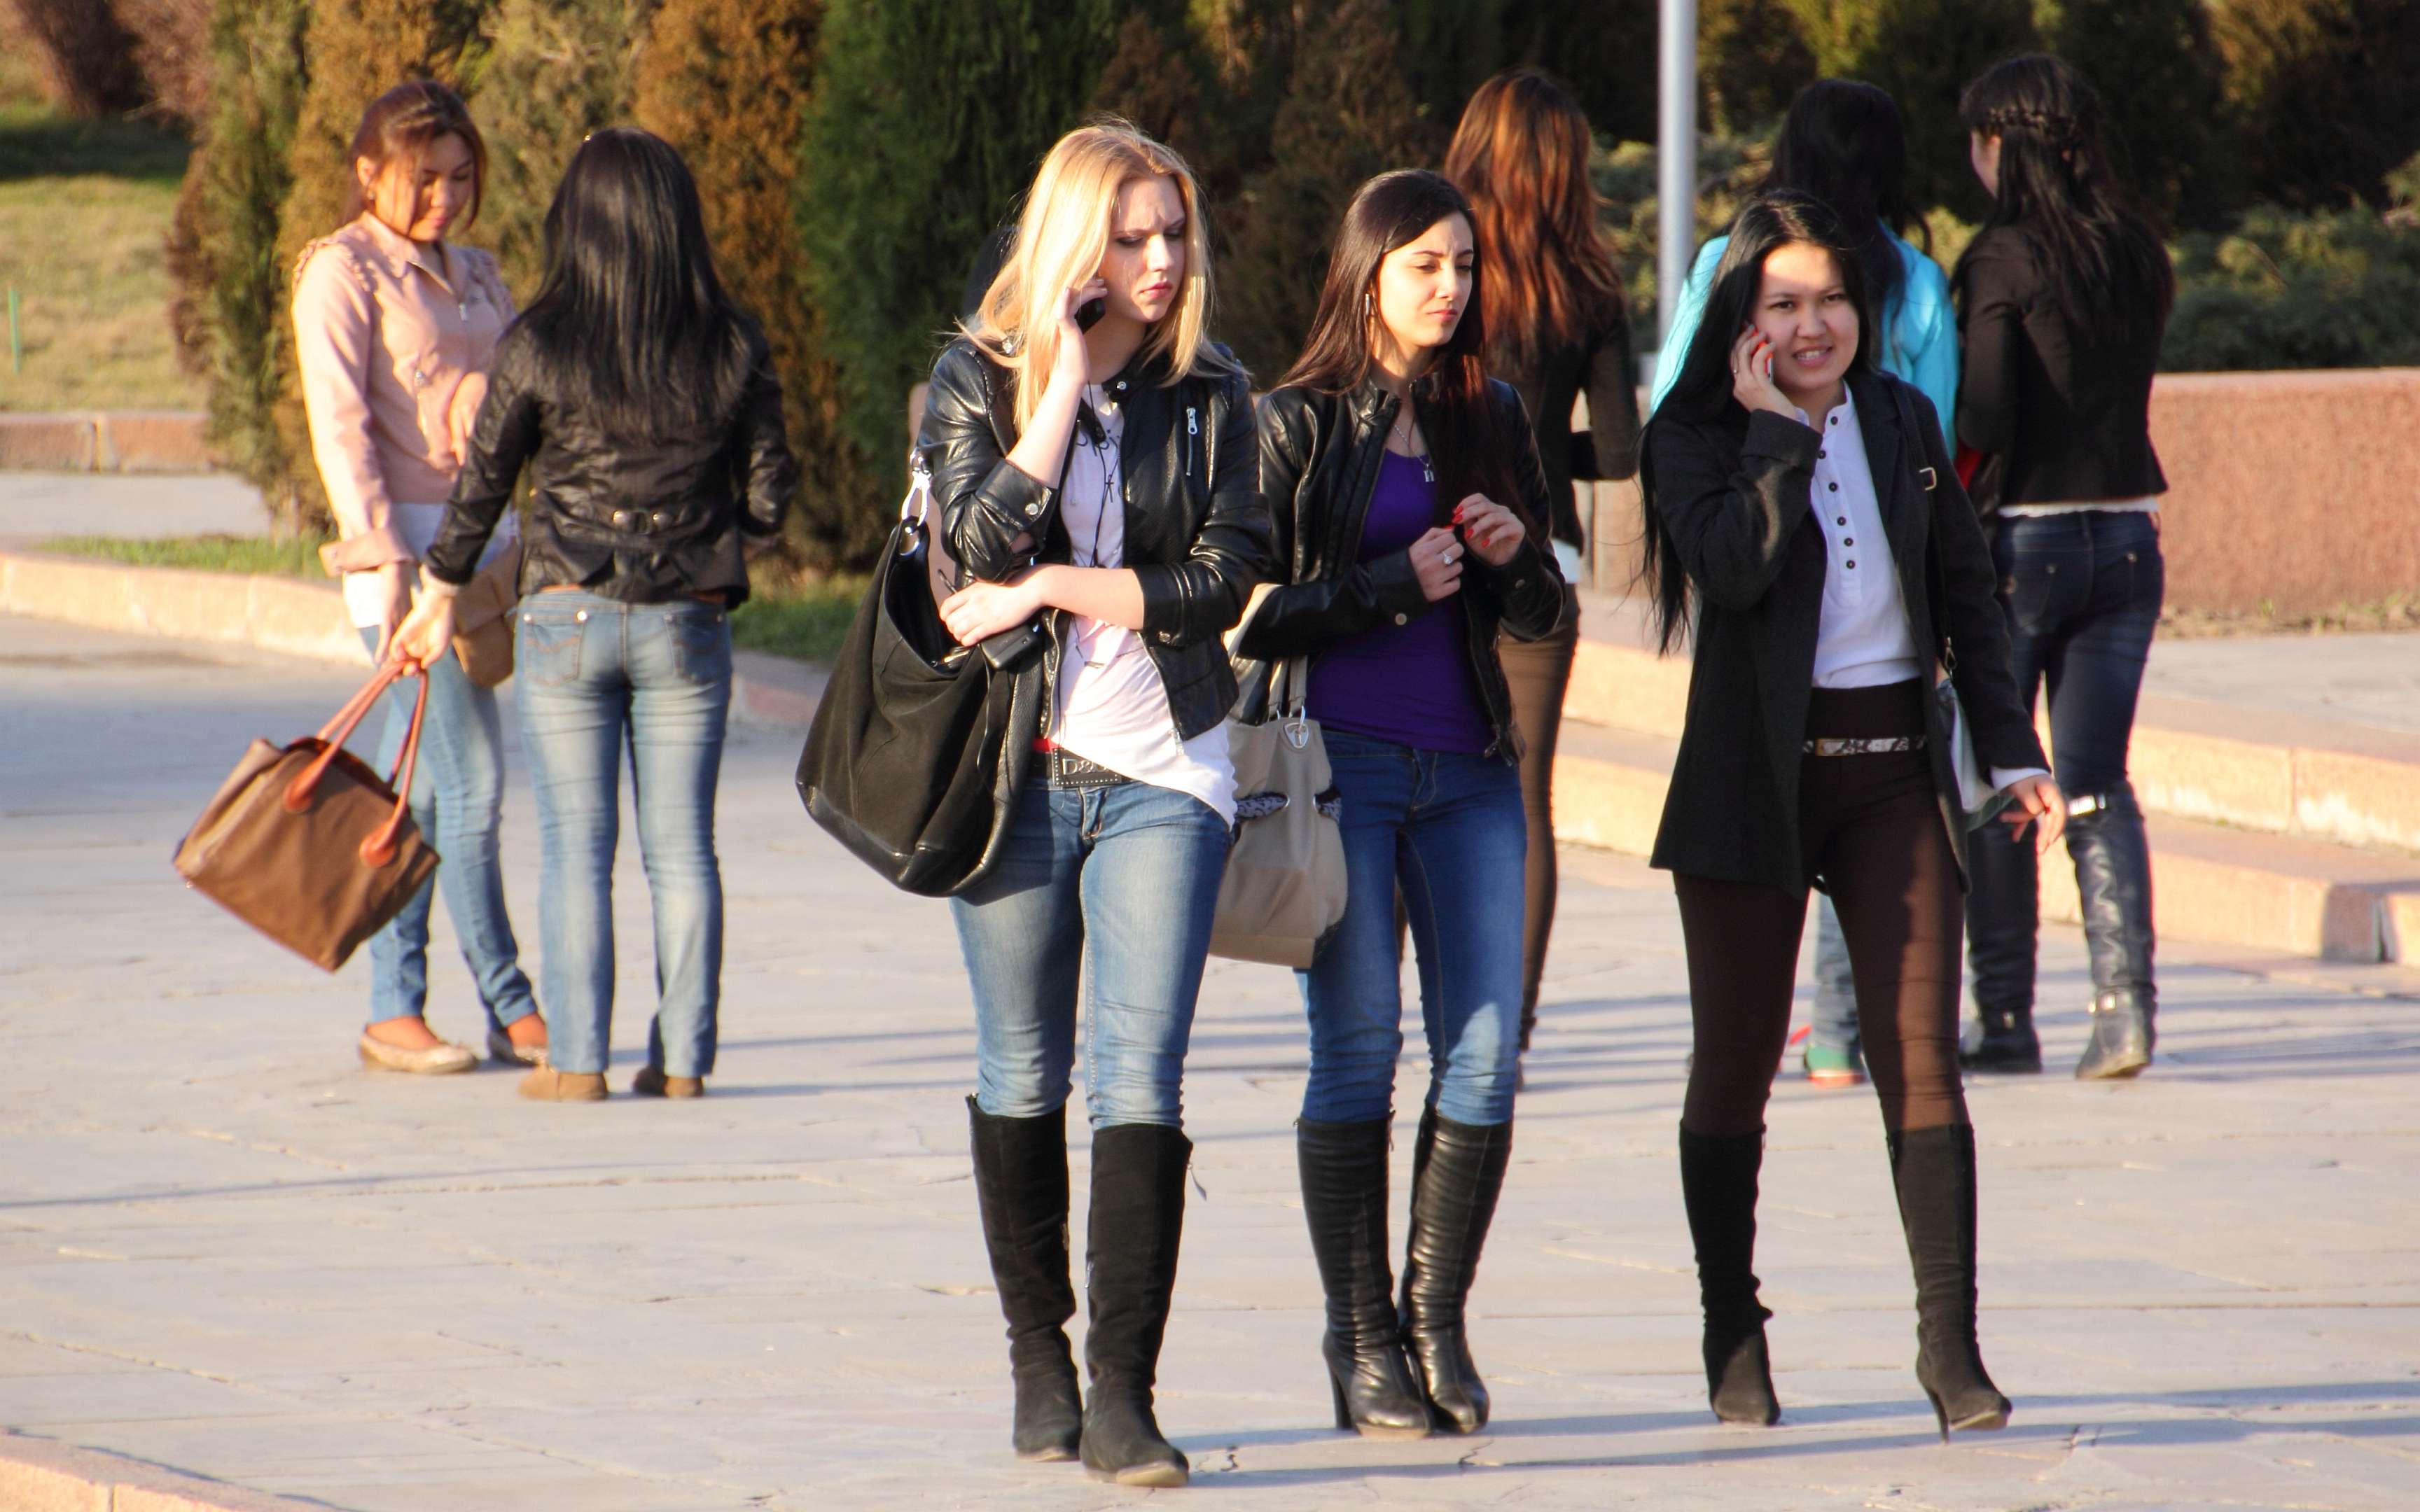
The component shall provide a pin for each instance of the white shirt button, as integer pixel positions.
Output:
(1403, 619)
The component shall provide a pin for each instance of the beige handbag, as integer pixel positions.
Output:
(1286, 888)
(483, 619)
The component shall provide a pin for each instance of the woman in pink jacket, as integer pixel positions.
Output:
(394, 328)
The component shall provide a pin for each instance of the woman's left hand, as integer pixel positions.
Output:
(426, 634)
(977, 611)
(2038, 802)
(1490, 529)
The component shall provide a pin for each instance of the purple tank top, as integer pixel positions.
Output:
(1411, 684)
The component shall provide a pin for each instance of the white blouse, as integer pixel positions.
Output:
(1112, 707)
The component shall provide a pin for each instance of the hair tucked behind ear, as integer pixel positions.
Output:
(2057, 183)
(1703, 391)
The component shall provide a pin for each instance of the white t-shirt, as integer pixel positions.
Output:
(1112, 706)
(417, 524)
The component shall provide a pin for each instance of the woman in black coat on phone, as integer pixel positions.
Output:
(1805, 529)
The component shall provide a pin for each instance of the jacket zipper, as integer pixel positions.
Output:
(1192, 429)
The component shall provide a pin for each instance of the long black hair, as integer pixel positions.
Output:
(631, 324)
(2058, 186)
(1702, 392)
(1472, 455)
(1843, 143)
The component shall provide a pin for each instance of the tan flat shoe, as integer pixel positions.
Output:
(548, 1085)
(440, 1059)
(652, 1082)
(502, 1050)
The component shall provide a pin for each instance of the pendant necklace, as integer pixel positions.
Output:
(1428, 473)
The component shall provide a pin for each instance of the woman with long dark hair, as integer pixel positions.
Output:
(644, 404)
(1804, 525)
(2063, 298)
(1843, 143)
(1092, 458)
(394, 328)
(1407, 498)
(1557, 326)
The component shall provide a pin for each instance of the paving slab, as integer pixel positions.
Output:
(225, 1249)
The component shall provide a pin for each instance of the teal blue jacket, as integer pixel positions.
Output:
(1920, 331)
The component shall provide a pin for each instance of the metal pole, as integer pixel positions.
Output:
(1676, 154)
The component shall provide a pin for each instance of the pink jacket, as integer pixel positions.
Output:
(385, 338)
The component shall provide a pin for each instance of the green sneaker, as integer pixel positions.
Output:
(1829, 1065)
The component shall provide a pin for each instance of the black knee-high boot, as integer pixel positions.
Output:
(1457, 1175)
(1718, 1177)
(1933, 1170)
(1344, 1198)
(1138, 1219)
(2113, 880)
(1021, 1186)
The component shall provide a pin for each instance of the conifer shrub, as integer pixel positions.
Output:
(550, 72)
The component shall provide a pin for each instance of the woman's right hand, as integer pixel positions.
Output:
(394, 601)
(1437, 560)
(426, 634)
(1071, 362)
(1752, 375)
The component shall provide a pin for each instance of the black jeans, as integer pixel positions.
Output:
(2081, 592)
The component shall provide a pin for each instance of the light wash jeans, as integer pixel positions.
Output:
(1449, 831)
(1835, 985)
(458, 793)
(598, 676)
(1129, 877)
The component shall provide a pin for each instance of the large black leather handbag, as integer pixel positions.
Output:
(919, 747)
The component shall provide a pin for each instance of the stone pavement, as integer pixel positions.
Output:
(225, 1248)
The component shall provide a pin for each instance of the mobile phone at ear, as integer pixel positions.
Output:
(1088, 313)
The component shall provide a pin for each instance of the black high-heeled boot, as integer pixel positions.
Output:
(1344, 1199)
(1718, 1185)
(2003, 921)
(1021, 1186)
(1457, 1175)
(2113, 880)
(1138, 1219)
(1933, 1170)
(2005, 1042)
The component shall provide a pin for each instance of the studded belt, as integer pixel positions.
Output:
(1875, 745)
(1067, 770)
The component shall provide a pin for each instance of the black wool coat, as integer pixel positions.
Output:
(1733, 494)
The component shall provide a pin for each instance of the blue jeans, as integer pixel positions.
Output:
(597, 675)
(2081, 592)
(457, 794)
(1835, 985)
(1128, 876)
(1449, 831)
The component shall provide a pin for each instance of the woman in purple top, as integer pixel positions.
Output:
(1406, 491)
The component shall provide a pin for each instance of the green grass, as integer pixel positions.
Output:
(260, 555)
(84, 208)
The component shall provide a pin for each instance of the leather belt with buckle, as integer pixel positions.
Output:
(1865, 746)
(1067, 770)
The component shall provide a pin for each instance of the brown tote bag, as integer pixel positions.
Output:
(307, 844)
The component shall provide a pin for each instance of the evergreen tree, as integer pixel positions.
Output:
(2326, 94)
(927, 118)
(2158, 70)
(1752, 58)
(229, 308)
(551, 73)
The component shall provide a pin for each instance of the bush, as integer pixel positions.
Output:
(86, 54)
(550, 72)
(2325, 90)
(927, 118)
(1751, 59)
(2286, 289)
(1729, 170)
(172, 48)
(2157, 66)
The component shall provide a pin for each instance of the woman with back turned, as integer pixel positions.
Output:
(1406, 495)
(1803, 522)
(1556, 327)
(2063, 297)
(644, 406)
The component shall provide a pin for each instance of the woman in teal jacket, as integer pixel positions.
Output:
(1843, 144)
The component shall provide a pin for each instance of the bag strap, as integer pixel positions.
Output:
(379, 847)
(1935, 584)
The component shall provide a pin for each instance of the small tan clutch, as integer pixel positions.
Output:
(483, 619)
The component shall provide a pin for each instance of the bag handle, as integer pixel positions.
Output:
(379, 847)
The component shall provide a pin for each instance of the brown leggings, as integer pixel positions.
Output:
(1872, 829)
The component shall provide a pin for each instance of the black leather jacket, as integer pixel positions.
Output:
(1197, 534)
(1319, 467)
(643, 522)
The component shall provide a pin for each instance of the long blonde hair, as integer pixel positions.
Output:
(1060, 239)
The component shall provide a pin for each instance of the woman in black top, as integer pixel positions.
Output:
(1557, 324)
(644, 406)
(2062, 300)
(1804, 527)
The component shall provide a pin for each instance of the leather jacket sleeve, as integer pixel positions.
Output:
(986, 500)
(1527, 590)
(1970, 615)
(1299, 618)
(506, 434)
(1731, 515)
(768, 473)
(1201, 597)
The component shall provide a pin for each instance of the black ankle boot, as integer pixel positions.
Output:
(2113, 881)
(1457, 1174)
(2006, 1042)
(1719, 1175)
(1138, 1218)
(1933, 1170)
(1344, 1198)
(1021, 1186)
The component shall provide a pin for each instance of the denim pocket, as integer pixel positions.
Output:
(549, 652)
(701, 645)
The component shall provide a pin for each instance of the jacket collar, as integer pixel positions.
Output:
(1371, 398)
(398, 253)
